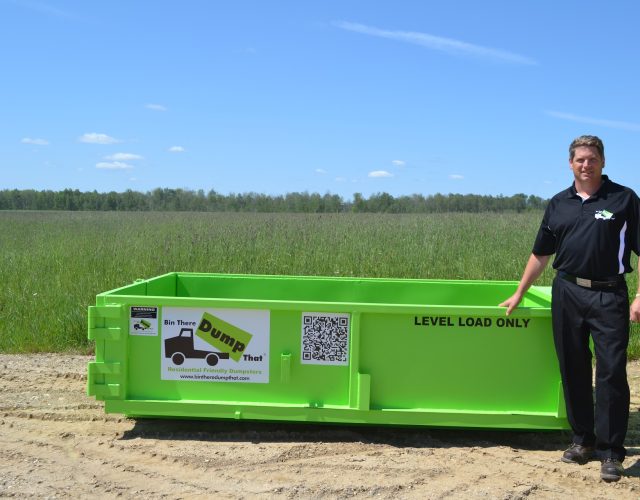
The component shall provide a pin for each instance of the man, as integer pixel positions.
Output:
(591, 227)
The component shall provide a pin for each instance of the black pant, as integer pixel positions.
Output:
(577, 312)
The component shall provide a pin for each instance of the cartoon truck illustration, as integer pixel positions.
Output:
(142, 325)
(181, 347)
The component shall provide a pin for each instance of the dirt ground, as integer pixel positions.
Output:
(56, 442)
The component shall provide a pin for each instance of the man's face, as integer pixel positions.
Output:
(587, 164)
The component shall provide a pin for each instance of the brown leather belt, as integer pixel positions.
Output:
(608, 283)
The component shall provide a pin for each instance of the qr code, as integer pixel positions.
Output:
(325, 339)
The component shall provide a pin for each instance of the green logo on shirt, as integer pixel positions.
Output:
(604, 215)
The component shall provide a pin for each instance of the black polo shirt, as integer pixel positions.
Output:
(591, 238)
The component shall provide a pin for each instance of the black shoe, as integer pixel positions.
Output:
(611, 470)
(578, 454)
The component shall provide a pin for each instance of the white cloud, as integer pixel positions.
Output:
(634, 127)
(37, 142)
(94, 138)
(123, 157)
(176, 149)
(156, 107)
(340, 179)
(380, 173)
(456, 177)
(448, 45)
(399, 163)
(320, 171)
(114, 165)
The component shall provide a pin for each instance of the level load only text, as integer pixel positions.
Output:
(471, 322)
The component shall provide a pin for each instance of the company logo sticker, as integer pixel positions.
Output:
(214, 345)
(604, 215)
(223, 336)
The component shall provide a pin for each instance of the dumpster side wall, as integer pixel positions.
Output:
(241, 347)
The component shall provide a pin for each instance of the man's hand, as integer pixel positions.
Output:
(511, 303)
(533, 270)
(634, 311)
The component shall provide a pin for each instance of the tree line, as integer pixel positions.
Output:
(184, 200)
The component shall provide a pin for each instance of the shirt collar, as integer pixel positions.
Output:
(604, 187)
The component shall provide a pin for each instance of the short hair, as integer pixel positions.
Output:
(586, 140)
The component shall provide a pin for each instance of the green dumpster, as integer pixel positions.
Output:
(318, 349)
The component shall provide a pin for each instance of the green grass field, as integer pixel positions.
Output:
(52, 264)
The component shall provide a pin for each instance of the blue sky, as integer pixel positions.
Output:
(328, 96)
